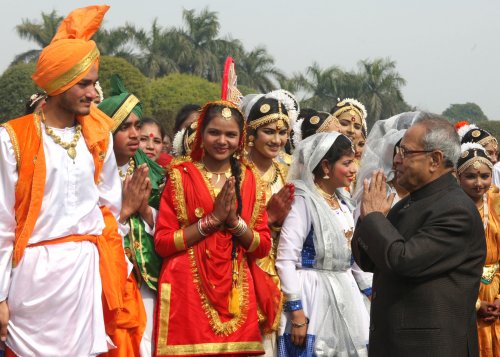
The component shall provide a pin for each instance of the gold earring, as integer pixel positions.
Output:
(251, 138)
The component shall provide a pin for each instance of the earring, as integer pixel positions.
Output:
(326, 177)
(251, 138)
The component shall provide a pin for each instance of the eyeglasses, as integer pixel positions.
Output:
(402, 151)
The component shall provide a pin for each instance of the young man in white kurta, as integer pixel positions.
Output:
(52, 295)
(63, 278)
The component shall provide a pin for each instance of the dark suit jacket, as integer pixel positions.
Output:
(427, 258)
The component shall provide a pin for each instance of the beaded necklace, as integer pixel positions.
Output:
(69, 147)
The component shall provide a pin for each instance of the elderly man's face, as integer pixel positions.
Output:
(412, 170)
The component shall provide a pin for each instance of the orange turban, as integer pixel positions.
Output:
(72, 53)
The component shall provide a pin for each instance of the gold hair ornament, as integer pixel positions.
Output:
(226, 113)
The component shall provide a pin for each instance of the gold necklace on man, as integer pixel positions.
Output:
(69, 147)
(130, 169)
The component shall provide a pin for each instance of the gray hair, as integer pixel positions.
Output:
(440, 135)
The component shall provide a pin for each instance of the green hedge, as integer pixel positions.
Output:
(134, 80)
(16, 87)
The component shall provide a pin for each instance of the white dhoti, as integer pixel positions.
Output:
(55, 302)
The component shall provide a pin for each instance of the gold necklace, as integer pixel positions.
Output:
(130, 170)
(332, 200)
(209, 174)
(69, 147)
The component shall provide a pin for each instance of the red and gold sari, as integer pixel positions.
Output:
(195, 283)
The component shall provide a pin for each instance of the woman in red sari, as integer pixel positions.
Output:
(212, 218)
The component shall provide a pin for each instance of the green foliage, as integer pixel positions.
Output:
(377, 85)
(381, 89)
(491, 126)
(16, 87)
(468, 111)
(170, 93)
(134, 80)
(155, 57)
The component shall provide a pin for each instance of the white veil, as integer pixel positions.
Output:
(379, 148)
(328, 236)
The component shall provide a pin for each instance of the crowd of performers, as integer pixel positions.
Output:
(233, 237)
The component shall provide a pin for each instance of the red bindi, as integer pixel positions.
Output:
(151, 135)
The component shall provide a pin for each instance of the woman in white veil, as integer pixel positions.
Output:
(324, 314)
(379, 150)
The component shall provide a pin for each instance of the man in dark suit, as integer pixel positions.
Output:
(427, 254)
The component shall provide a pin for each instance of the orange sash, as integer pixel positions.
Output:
(107, 269)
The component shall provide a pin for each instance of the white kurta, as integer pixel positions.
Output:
(330, 298)
(54, 293)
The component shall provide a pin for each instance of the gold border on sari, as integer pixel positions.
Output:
(218, 327)
(164, 307)
(213, 348)
(179, 201)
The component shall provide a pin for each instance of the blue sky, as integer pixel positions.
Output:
(448, 51)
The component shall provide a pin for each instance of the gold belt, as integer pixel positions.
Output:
(489, 272)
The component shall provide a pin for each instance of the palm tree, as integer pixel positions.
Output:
(256, 70)
(41, 33)
(205, 53)
(381, 90)
(155, 48)
(320, 86)
(116, 42)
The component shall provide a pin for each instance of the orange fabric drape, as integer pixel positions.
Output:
(489, 335)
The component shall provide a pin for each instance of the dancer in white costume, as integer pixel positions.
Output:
(324, 313)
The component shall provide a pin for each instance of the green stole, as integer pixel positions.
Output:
(139, 245)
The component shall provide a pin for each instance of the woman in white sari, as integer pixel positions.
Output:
(324, 313)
